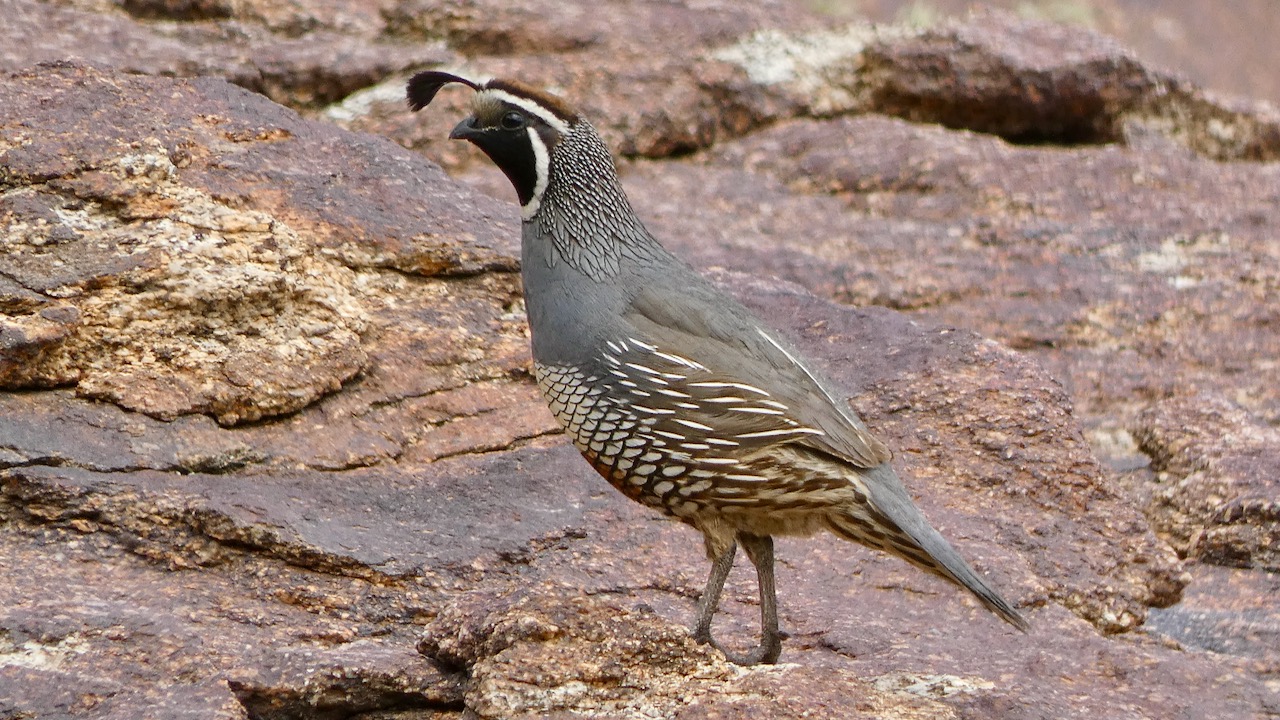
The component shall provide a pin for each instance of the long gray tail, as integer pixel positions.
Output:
(896, 526)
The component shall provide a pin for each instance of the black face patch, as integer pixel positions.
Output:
(512, 151)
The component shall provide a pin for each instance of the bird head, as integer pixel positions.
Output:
(517, 126)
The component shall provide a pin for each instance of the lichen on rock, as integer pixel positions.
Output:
(191, 305)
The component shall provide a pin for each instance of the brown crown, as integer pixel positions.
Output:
(552, 103)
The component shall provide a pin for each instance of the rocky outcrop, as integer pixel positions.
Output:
(1216, 491)
(267, 427)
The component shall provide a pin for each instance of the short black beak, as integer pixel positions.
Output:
(465, 130)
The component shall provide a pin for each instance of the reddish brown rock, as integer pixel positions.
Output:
(1228, 611)
(1045, 82)
(125, 637)
(1217, 492)
(182, 281)
(545, 27)
(302, 54)
(288, 567)
(550, 652)
(1164, 33)
(1027, 81)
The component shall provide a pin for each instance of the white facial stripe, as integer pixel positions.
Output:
(532, 108)
(542, 166)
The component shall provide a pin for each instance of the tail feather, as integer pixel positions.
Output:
(897, 526)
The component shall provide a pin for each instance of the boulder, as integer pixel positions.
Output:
(269, 446)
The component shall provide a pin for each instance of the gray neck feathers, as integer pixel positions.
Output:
(584, 211)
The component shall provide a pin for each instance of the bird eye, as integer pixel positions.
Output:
(512, 121)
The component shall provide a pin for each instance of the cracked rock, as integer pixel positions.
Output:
(410, 483)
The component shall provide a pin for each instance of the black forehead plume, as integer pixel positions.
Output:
(424, 86)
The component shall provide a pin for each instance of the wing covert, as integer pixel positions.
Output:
(731, 355)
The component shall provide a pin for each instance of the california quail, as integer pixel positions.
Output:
(674, 392)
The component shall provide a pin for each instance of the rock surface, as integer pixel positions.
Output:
(269, 447)
(1217, 497)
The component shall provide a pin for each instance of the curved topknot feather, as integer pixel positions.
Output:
(423, 87)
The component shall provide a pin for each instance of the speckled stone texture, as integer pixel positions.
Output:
(270, 448)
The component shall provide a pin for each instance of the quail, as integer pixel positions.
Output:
(674, 392)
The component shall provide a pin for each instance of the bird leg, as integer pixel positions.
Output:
(759, 549)
(710, 599)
